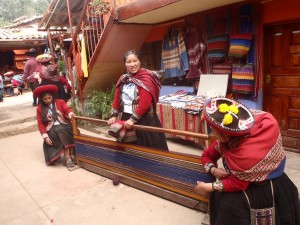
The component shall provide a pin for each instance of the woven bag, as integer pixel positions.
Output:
(217, 47)
(264, 216)
(240, 43)
(243, 79)
(222, 68)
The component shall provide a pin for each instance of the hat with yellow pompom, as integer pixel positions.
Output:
(43, 58)
(228, 116)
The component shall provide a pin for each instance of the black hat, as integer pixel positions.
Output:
(228, 116)
(31, 51)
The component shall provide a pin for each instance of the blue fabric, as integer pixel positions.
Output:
(175, 60)
(278, 171)
(19, 78)
(1, 83)
(244, 26)
(143, 164)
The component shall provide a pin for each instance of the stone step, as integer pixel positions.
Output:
(14, 121)
(10, 128)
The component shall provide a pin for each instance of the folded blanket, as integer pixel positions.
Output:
(118, 130)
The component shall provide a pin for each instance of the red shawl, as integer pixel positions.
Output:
(145, 79)
(259, 154)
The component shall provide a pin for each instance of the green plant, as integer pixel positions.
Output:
(100, 7)
(75, 105)
(99, 103)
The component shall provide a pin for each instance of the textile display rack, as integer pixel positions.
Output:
(183, 113)
(170, 175)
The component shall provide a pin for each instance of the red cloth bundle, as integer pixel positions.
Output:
(118, 130)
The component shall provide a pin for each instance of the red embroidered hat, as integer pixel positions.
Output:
(45, 88)
(228, 116)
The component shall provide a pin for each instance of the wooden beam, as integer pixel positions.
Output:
(139, 7)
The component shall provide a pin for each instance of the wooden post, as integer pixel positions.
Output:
(71, 75)
(51, 45)
(74, 125)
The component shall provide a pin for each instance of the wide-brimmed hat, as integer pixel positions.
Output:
(31, 51)
(43, 58)
(45, 88)
(228, 116)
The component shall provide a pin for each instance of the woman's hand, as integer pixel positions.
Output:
(203, 188)
(48, 141)
(128, 124)
(219, 173)
(111, 120)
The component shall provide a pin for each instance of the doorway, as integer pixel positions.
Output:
(281, 84)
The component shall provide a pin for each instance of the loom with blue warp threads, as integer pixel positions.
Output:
(170, 175)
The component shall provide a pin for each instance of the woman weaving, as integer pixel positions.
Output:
(250, 146)
(136, 96)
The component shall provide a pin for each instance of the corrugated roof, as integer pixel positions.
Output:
(57, 13)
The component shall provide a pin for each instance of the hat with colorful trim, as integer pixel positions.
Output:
(228, 116)
(45, 88)
(43, 58)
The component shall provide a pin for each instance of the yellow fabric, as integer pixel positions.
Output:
(83, 58)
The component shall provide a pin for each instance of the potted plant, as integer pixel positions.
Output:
(99, 103)
(98, 8)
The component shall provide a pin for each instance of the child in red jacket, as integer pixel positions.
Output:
(53, 116)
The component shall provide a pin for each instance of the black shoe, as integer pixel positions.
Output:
(34, 104)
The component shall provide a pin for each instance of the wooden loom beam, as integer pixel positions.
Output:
(149, 128)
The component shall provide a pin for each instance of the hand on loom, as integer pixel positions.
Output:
(203, 188)
(128, 124)
(219, 173)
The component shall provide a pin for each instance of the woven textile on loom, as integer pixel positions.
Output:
(177, 173)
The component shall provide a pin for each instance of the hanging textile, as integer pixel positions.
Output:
(174, 55)
(254, 56)
(84, 64)
(195, 49)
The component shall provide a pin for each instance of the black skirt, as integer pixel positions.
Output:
(147, 138)
(228, 208)
(62, 138)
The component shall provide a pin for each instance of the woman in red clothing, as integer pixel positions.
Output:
(250, 146)
(53, 116)
(49, 75)
(137, 93)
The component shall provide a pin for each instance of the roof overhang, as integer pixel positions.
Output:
(56, 14)
(157, 11)
(21, 43)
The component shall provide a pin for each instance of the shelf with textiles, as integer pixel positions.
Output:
(183, 112)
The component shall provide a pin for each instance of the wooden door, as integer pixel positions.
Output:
(282, 80)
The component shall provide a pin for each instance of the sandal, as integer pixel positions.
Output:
(74, 160)
(71, 165)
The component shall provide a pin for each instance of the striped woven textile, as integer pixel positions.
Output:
(240, 45)
(243, 79)
(217, 47)
(178, 119)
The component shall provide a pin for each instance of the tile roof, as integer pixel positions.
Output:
(21, 34)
